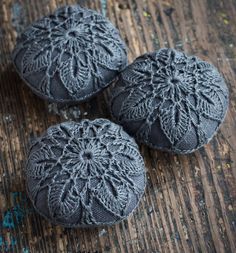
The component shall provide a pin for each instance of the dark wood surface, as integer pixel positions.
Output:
(190, 200)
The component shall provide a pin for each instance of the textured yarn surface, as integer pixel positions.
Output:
(85, 174)
(70, 55)
(170, 101)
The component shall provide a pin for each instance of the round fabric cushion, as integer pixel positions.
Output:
(85, 174)
(70, 55)
(170, 101)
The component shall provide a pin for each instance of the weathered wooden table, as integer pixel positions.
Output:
(190, 200)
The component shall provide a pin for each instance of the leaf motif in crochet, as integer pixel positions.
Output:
(175, 122)
(74, 75)
(63, 199)
(136, 106)
(34, 60)
(115, 201)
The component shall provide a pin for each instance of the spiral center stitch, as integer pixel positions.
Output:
(73, 33)
(174, 81)
(87, 155)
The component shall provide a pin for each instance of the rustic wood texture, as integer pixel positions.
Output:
(190, 200)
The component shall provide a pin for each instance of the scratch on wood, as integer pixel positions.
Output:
(6, 244)
(13, 217)
(104, 7)
(18, 17)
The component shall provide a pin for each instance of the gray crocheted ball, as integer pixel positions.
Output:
(85, 174)
(70, 55)
(170, 101)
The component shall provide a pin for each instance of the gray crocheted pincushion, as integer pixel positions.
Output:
(70, 55)
(85, 174)
(170, 101)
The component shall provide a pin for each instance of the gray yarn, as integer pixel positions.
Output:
(170, 101)
(70, 55)
(85, 174)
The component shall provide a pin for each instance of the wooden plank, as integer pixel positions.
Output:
(190, 201)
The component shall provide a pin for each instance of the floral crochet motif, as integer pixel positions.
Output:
(181, 98)
(70, 55)
(85, 174)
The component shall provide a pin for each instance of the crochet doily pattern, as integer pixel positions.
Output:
(85, 174)
(70, 55)
(170, 101)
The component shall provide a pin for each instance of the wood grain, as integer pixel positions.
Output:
(190, 200)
